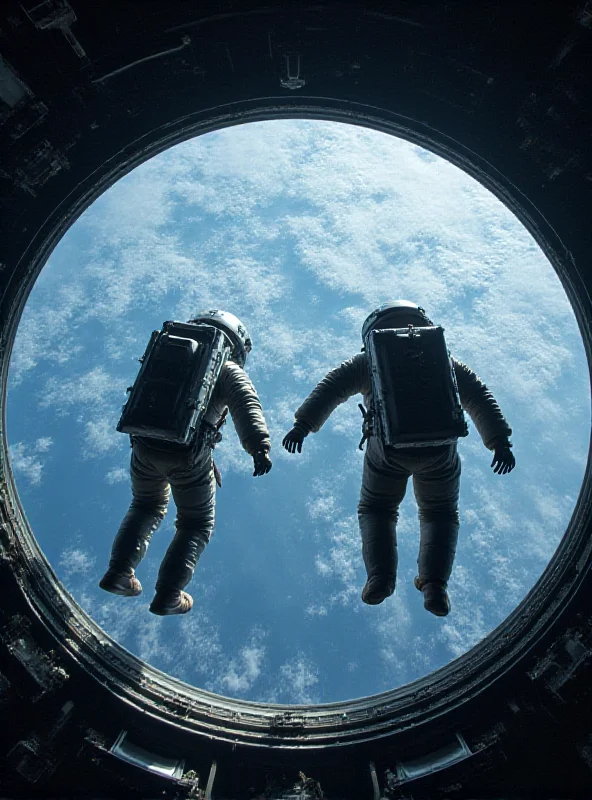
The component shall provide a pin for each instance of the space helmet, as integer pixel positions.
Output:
(395, 314)
(232, 327)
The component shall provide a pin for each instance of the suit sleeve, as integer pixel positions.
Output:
(481, 405)
(245, 408)
(350, 378)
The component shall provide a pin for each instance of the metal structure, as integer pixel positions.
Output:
(90, 90)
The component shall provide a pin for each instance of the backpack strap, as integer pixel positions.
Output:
(367, 428)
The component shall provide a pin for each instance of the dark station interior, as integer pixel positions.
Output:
(88, 91)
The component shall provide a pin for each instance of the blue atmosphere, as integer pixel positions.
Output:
(300, 228)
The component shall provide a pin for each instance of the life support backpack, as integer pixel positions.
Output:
(415, 401)
(171, 394)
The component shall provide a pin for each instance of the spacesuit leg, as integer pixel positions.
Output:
(383, 489)
(436, 488)
(150, 492)
(194, 493)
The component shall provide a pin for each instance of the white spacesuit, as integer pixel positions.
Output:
(435, 469)
(157, 467)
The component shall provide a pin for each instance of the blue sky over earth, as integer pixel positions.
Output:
(300, 228)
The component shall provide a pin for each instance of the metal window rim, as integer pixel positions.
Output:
(195, 711)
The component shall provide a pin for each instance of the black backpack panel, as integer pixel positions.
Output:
(171, 393)
(414, 393)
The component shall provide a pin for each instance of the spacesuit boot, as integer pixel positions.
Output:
(436, 556)
(176, 570)
(122, 583)
(129, 548)
(379, 551)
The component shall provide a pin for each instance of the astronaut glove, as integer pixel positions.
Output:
(261, 462)
(292, 441)
(503, 458)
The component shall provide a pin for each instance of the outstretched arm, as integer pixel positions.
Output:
(350, 378)
(483, 409)
(245, 408)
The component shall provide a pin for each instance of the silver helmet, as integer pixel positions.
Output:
(395, 314)
(232, 327)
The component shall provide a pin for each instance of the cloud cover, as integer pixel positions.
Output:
(301, 229)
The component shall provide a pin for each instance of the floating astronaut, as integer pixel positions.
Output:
(414, 394)
(191, 375)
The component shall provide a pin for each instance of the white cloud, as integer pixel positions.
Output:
(317, 610)
(92, 388)
(467, 626)
(25, 464)
(42, 445)
(95, 394)
(117, 475)
(38, 333)
(299, 676)
(101, 437)
(342, 560)
(76, 563)
(25, 458)
(324, 507)
(196, 655)
(242, 672)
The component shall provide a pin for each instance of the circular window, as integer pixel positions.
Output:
(300, 228)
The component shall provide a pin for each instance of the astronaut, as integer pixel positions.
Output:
(159, 467)
(435, 469)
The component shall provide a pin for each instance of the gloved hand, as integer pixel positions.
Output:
(261, 462)
(292, 441)
(503, 458)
